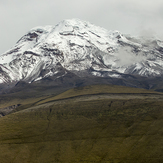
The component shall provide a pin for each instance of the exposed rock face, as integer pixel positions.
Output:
(7, 110)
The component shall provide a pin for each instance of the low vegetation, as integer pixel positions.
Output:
(110, 124)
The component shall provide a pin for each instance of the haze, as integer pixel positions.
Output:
(129, 17)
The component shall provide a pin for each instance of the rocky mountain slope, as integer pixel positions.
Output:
(83, 49)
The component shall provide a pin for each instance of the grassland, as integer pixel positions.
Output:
(110, 124)
(98, 90)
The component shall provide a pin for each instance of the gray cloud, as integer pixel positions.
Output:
(125, 57)
(128, 16)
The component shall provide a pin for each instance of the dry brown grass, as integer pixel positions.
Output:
(75, 130)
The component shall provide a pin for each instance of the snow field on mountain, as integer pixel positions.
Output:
(79, 46)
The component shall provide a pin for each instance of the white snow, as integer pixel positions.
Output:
(80, 45)
(114, 76)
(5, 58)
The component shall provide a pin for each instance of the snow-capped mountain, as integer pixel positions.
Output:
(81, 48)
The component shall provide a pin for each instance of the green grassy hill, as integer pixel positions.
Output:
(109, 124)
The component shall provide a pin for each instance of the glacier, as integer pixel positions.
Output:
(82, 48)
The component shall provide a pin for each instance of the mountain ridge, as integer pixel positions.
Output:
(83, 49)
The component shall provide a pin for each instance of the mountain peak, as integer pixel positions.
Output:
(74, 22)
(82, 48)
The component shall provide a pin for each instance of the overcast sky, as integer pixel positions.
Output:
(133, 17)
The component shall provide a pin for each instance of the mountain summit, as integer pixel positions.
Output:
(83, 49)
